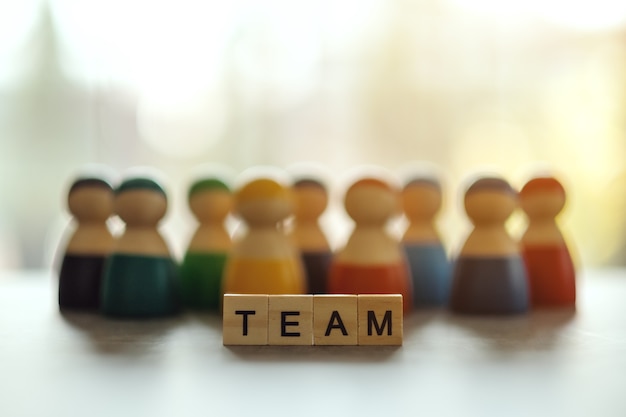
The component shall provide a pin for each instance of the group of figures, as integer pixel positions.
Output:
(134, 274)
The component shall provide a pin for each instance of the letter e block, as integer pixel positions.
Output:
(380, 319)
(290, 320)
(245, 319)
(335, 319)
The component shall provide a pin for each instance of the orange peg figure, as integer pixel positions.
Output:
(372, 262)
(550, 268)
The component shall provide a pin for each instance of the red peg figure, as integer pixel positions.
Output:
(372, 262)
(550, 268)
(264, 261)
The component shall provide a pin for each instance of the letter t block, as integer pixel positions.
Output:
(245, 319)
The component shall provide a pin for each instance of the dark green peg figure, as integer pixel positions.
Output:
(140, 276)
(210, 200)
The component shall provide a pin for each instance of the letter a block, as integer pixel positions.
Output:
(335, 319)
(380, 319)
(290, 320)
(245, 319)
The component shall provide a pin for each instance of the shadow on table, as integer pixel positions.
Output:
(210, 319)
(322, 354)
(420, 318)
(298, 353)
(537, 330)
(116, 336)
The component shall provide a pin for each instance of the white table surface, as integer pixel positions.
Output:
(547, 363)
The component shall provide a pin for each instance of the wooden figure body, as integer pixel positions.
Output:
(372, 262)
(90, 201)
(263, 261)
(550, 268)
(311, 199)
(140, 278)
(202, 269)
(431, 271)
(489, 275)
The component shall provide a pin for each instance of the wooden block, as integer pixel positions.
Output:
(380, 319)
(335, 319)
(290, 320)
(245, 319)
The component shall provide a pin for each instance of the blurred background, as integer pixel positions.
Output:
(467, 84)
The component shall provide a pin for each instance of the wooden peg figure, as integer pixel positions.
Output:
(311, 199)
(489, 275)
(550, 268)
(264, 261)
(372, 261)
(90, 201)
(431, 271)
(210, 200)
(140, 278)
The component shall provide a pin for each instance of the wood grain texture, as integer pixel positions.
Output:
(91, 207)
(421, 203)
(90, 239)
(489, 210)
(380, 320)
(335, 319)
(141, 210)
(210, 207)
(245, 319)
(309, 204)
(290, 320)
(542, 208)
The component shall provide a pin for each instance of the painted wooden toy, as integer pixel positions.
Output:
(550, 268)
(90, 201)
(310, 201)
(372, 261)
(140, 278)
(431, 271)
(489, 275)
(264, 261)
(210, 200)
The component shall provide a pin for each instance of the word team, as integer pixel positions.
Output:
(374, 319)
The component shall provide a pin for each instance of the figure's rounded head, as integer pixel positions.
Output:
(210, 200)
(490, 200)
(140, 202)
(90, 200)
(371, 201)
(310, 198)
(421, 198)
(542, 197)
(263, 201)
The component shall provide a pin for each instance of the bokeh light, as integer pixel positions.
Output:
(468, 85)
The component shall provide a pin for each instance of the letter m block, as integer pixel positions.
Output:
(380, 319)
